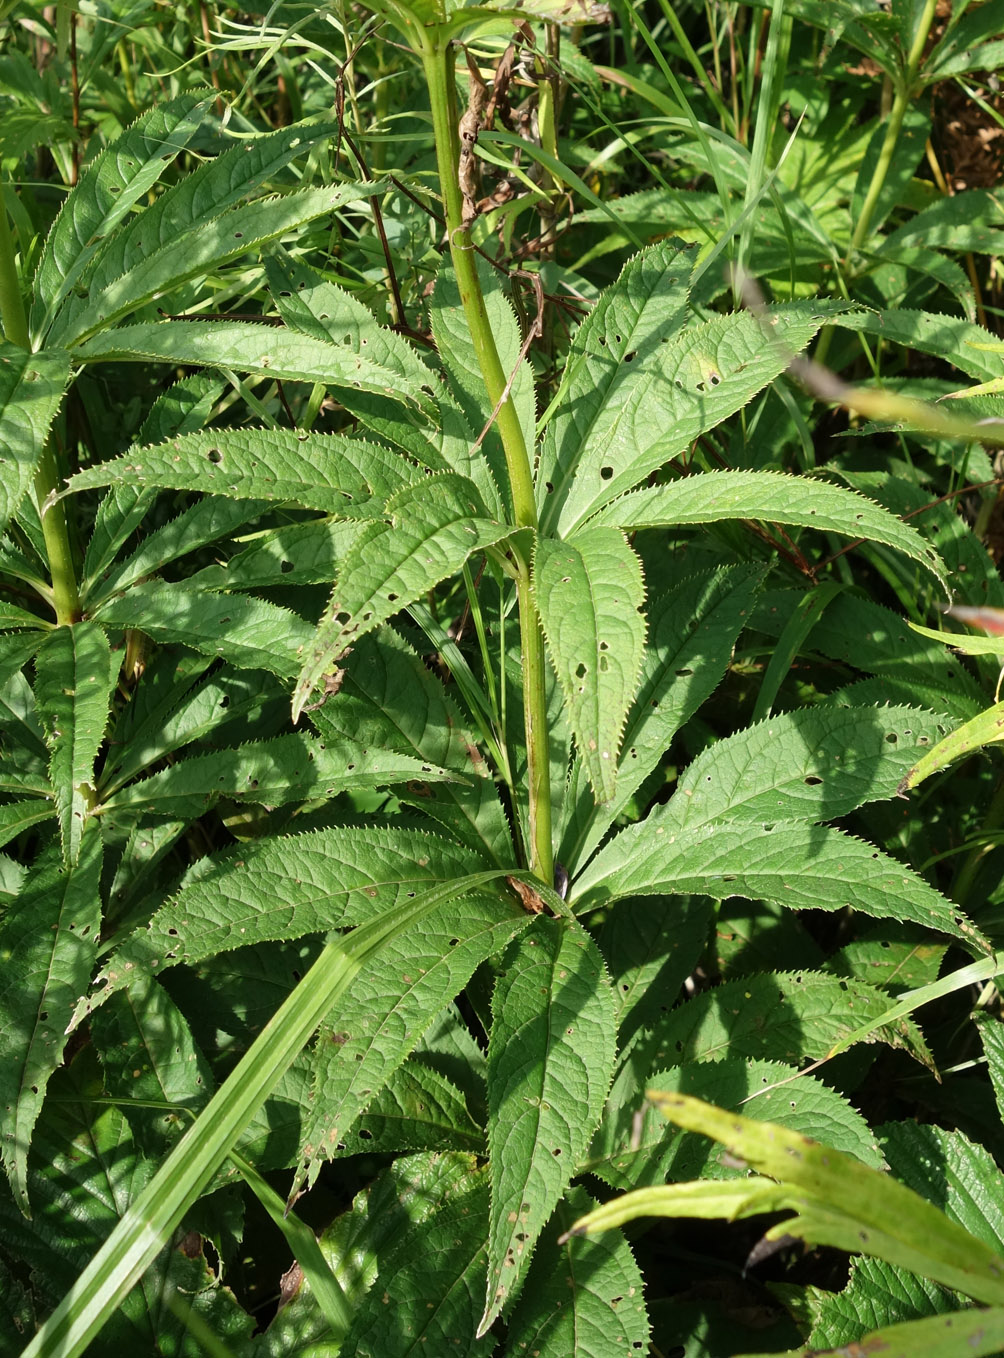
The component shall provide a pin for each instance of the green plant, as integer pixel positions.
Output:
(409, 873)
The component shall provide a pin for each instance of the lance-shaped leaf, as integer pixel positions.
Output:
(251, 633)
(261, 350)
(291, 768)
(282, 889)
(589, 593)
(550, 1059)
(115, 180)
(635, 318)
(196, 251)
(836, 1200)
(73, 687)
(986, 729)
(312, 304)
(390, 1006)
(814, 764)
(776, 498)
(776, 1016)
(430, 530)
(18, 816)
(48, 944)
(418, 1109)
(579, 1302)
(699, 378)
(692, 630)
(426, 1295)
(798, 865)
(329, 472)
(31, 387)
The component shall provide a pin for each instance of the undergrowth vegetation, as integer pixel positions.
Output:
(501, 845)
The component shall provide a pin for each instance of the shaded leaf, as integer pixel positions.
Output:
(31, 388)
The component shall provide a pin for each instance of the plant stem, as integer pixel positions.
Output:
(65, 597)
(900, 104)
(437, 60)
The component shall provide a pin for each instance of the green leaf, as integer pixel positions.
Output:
(283, 888)
(772, 1017)
(705, 373)
(986, 729)
(710, 497)
(151, 1063)
(18, 816)
(550, 1059)
(431, 529)
(899, 167)
(31, 388)
(390, 697)
(584, 1299)
(74, 680)
(692, 630)
(197, 250)
(47, 945)
(650, 953)
(418, 1109)
(643, 311)
(213, 517)
(250, 633)
(329, 472)
(801, 866)
(426, 1295)
(947, 1169)
(964, 46)
(390, 1006)
(589, 592)
(634, 1148)
(969, 347)
(295, 554)
(878, 1294)
(816, 763)
(465, 382)
(976, 1331)
(312, 304)
(114, 181)
(291, 768)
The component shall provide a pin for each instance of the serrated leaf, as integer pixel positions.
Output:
(296, 554)
(280, 889)
(898, 957)
(114, 181)
(650, 953)
(634, 1147)
(580, 1302)
(426, 1294)
(47, 945)
(18, 816)
(430, 530)
(550, 1059)
(465, 380)
(418, 1109)
(638, 315)
(312, 304)
(73, 688)
(329, 472)
(246, 347)
(986, 729)
(291, 768)
(971, 348)
(390, 1006)
(877, 1295)
(31, 388)
(213, 517)
(250, 633)
(692, 630)
(389, 696)
(816, 763)
(949, 1170)
(704, 374)
(151, 1062)
(195, 251)
(589, 593)
(800, 866)
(710, 497)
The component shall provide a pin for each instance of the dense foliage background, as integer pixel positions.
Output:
(458, 661)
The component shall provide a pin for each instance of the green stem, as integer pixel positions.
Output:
(437, 59)
(904, 94)
(65, 597)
